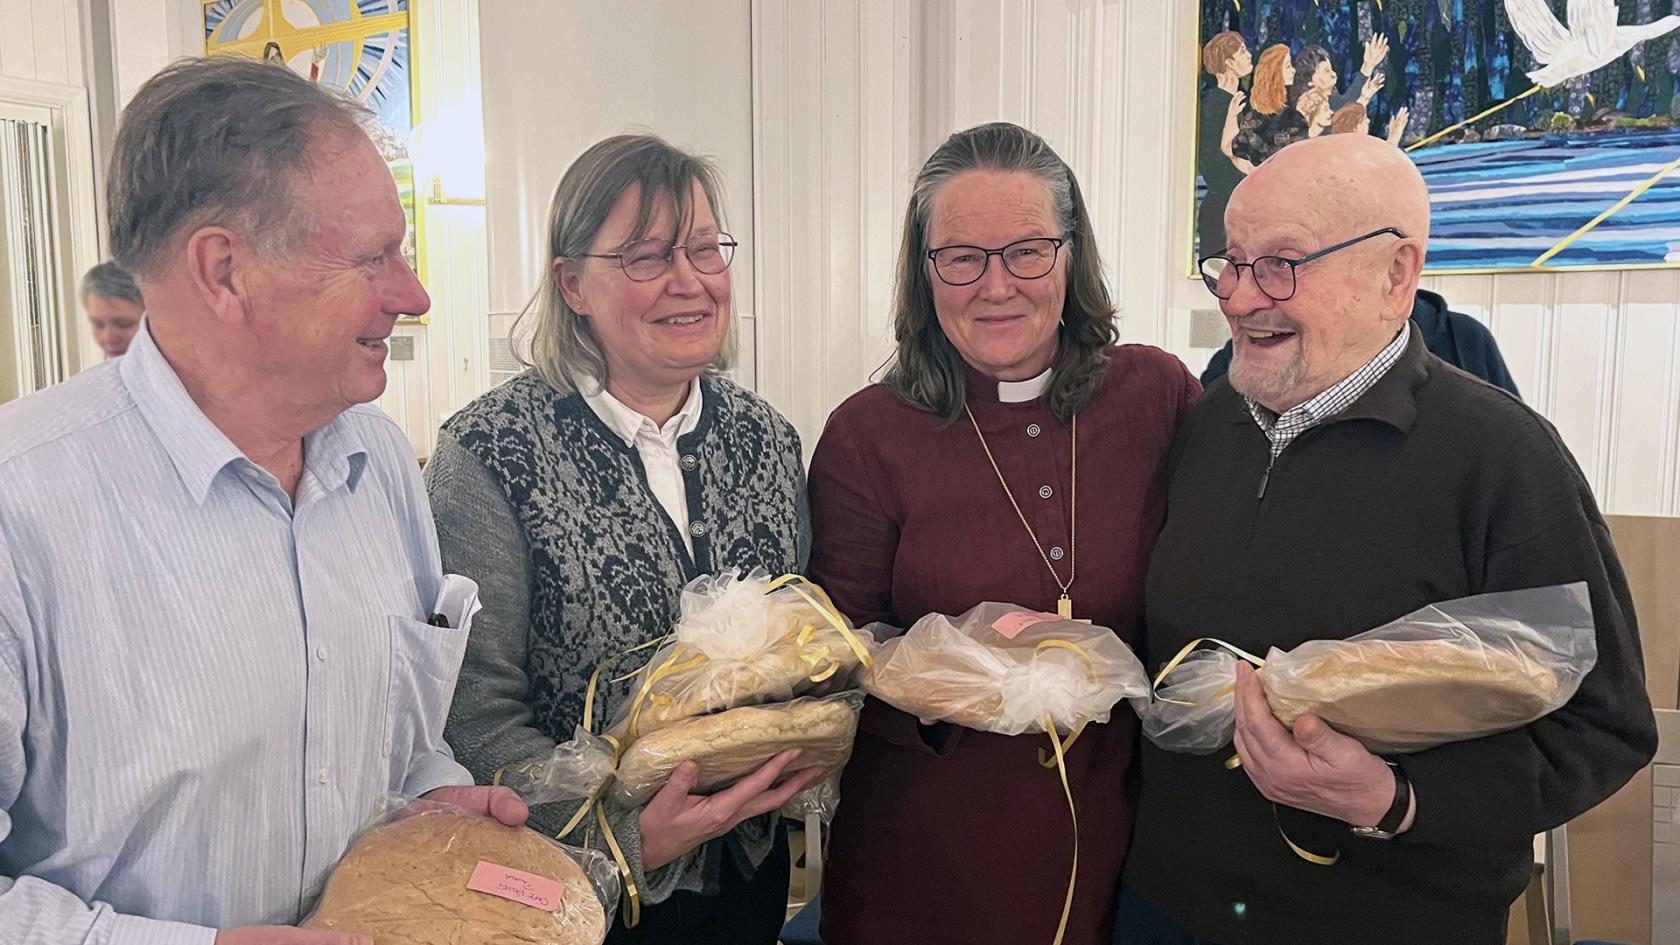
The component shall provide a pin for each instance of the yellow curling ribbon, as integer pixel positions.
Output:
(826, 608)
(813, 656)
(1235, 761)
(632, 895)
(1184, 653)
(1079, 728)
(817, 658)
(673, 665)
(1311, 857)
(1073, 874)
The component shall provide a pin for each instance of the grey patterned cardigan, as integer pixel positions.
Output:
(550, 512)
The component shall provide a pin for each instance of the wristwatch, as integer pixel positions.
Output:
(1389, 826)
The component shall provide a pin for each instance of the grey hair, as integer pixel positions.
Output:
(224, 142)
(927, 371)
(556, 340)
(113, 282)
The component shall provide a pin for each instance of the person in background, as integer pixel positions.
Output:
(1270, 122)
(1008, 416)
(1227, 59)
(1314, 106)
(217, 563)
(1354, 118)
(1454, 337)
(1316, 72)
(114, 307)
(585, 493)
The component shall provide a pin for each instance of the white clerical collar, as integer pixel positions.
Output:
(1019, 392)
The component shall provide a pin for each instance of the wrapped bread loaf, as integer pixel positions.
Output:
(742, 641)
(1447, 672)
(406, 883)
(730, 745)
(1409, 694)
(1001, 668)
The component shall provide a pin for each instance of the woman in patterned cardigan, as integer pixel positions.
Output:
(584, 493)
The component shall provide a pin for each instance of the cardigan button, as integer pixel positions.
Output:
(697, 529)
(689, 461)
(1056, 553)
(1045, 492)
(1033, 429)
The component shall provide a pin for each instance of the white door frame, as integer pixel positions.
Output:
(79, 246)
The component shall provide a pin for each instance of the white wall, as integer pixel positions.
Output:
(41, 40)
(560, 75)
(449, 367)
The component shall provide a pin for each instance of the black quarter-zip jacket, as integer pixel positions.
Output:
(1432, 486)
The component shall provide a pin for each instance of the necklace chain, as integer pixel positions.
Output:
(1073, 503)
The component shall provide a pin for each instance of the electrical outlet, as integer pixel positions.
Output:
(402, 347)
(1208, 328)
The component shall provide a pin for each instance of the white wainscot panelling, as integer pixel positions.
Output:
(832, 143)
(41, 40)
(1598, 353)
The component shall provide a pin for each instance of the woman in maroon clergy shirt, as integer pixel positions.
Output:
(1014, 454)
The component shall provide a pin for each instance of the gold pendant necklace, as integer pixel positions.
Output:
(1064, 604)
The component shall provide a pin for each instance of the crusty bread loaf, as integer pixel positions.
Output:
(1410, 694)
(948, 698)
(776, 674)
(730, 745)
(405, 883)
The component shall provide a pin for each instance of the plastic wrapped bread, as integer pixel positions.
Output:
(730, 745)
(1447, 672)
(433, 874)
(740, 641)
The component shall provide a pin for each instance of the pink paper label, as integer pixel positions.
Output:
(1011, 625)
(519, 886)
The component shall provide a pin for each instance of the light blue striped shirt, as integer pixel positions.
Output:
(204, 693)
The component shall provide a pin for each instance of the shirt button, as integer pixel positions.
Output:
(689, 461)
(1045, 492)
(1056, 553)
(697, 529)
(321, 776)
(321, 653)
(1033, 429)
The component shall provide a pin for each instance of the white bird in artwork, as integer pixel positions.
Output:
(1593, 38)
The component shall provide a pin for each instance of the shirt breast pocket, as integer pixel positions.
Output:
(425, 661)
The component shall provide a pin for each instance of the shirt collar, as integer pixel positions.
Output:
(196, 446)
(1339, 396)
(336, 454)
(199, 450)
(1018, 392)
(629, 424)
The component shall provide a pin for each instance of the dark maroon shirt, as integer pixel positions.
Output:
(950, 835)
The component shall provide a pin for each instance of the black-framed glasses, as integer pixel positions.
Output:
(1024, 259)
(1273, 275)
(647, 260)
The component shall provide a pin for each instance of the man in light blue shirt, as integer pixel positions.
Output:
(217, 563)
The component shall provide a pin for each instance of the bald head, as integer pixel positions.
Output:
(1335, 228)
(1338, 186)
